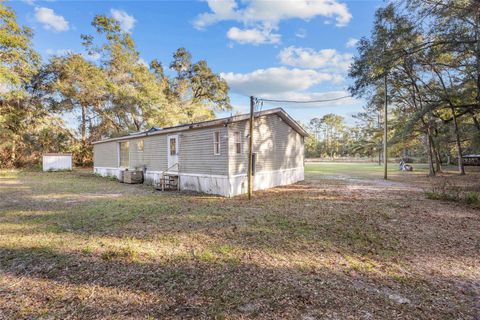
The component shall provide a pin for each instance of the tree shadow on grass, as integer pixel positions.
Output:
(255, 224)
(191, 287)
(304, 219)
(283, 219)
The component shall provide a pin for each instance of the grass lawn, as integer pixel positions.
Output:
(363, 170)
(343, 244)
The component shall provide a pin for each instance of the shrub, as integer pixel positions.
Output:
(472, 197)
(444, 190)
(448, 191)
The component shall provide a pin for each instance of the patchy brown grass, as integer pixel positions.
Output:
(73, 245)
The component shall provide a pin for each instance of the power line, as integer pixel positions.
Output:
(302, 101)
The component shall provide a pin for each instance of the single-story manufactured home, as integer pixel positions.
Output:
(211, 156)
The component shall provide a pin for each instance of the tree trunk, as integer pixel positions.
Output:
(438, 159)
(477, 53)
(84, 134)
(385, 131)
(438, 162)
(13, 154)
(431, 169)
(475, 121)
(461, 168)
(137, 124)
(379, 145)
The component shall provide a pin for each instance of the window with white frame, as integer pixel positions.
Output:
(124, 156)
(216, 143)
(237, 138)
(173, 146)
(140, 145)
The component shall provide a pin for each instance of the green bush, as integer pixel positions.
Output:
(444, 190)
(448, 191)
(472, 197)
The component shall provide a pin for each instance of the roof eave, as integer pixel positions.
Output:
(293, 123)
(213, 123)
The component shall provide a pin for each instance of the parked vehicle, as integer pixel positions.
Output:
(405, 167)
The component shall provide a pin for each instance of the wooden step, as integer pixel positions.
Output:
(168, 182)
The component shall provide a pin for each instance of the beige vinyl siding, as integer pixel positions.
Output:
(278, 146)
(153, 156)
(196, 153)
(105, 155)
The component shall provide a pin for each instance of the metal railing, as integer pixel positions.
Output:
(164, 173)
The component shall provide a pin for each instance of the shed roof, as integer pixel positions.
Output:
(216, 122)
(57, 154)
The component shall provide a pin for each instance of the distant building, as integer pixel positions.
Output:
(471, 160)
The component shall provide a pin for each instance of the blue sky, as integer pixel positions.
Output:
(285, 49)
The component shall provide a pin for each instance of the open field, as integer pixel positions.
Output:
(365, 170)
(344, 244)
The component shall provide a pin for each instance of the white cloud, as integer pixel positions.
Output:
(29, 2)
(142, 61)
(272, 12)
(63, 52)
(221, 10)
(260, 17)
(309, 96)
(328, 60)
(94, 56)
(58, 52)
(277, 81)
(50, 20)
(127, 22)
(301, 33)
(253, 36)
(351, 43)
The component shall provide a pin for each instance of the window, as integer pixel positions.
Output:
(140, 145)
(124, 158)
(173, 146)
(238, 142)
(216, 142)
(254, 163)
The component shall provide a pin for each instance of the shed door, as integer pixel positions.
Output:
(172, 153)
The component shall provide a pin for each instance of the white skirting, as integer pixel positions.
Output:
(227, 186)
(152, 177)
(211, 184)
(265, 180)
(109, 172)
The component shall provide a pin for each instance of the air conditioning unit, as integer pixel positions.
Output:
(134, 176)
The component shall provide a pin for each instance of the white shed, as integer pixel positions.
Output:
(57, 161)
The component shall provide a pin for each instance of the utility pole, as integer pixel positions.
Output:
(385, 127)
(250, 151)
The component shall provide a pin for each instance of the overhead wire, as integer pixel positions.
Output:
(302, 101)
